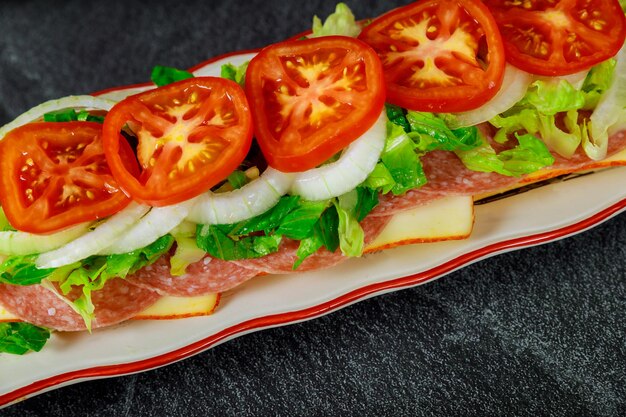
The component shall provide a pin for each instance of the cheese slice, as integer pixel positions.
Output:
(448, 218)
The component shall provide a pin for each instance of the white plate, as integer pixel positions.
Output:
(538, 216)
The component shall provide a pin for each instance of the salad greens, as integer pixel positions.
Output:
(235, 73)
(71, 115)
(162, 75)
(90, 274)
(19, 338)
(330, 223)
(425, 132)
(548, 102)
(341, 22)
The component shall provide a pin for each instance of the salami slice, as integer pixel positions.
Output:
(446, 176)
(116, 302)
(281, 262)
(210, 275)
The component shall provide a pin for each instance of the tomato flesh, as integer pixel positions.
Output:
(550, 37)
(312, 98)
(191, 135)
(439, 55)
(55, 175)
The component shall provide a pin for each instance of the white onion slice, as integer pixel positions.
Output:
(22, 243)
(69, 102)
(248, 201)
(576, 80)
(158, 222)
(514, 87)
(93, 242)
(352, 168)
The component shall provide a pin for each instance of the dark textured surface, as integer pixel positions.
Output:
(535, 332)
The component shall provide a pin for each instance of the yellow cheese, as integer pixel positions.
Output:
(6, 316)
(180, 307)
(444, 219)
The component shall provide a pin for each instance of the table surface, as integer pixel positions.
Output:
(535, 332)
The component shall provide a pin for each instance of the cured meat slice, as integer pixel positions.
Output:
(281, 262)
(116, 302)
(207, 276)
(446, 176)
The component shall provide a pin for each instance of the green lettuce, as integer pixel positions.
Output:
(93, 273)
(5, 226)
(434, 134)
(71, 115)
(235, 73)
(400, 162)
(610, 113)
(341, 22)
(315, 224)
(351, 235)
(21, 270)
(162, 75)
(549, 98)
(20, 338)
(546, 103)
(90, 274)
(187, 252)
(597, 82)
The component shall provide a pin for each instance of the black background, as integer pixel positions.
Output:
(535, 332)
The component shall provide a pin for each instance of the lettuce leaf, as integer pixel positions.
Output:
(341, 22)
(400, 161)
(21, 270)
(235, 73)
(351, 235)
(93, 273)
(530, 155)
(547, 102)
(162, 75)
(325, 234)
(237, 179)
(549, 98)
(5, 226)
(597, 82)
(315, 224)
(20, 338)
(434, 134)
(71, 115)
(187, 252)
(610, 113)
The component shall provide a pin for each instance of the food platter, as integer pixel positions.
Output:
(540, 215)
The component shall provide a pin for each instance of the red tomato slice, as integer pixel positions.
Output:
(439, 55)
(191, 135)
(55, 175)
(551, 37)
(312, 98)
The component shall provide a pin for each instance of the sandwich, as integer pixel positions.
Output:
(366, 134)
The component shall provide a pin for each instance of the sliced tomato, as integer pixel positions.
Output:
(552, 37)
(312, 98)
(191, 135)
(439, 55)
(55, 175)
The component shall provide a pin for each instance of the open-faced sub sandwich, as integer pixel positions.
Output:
(354, 138)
